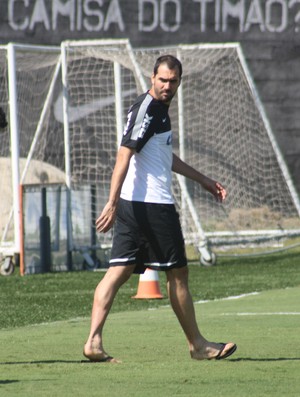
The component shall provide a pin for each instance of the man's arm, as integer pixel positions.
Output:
(182, 168)
(107, 217)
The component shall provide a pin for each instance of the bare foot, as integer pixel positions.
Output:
(216, 351)
(97, 355)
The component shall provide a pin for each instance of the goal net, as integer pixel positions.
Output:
(220, 129)
(32, 147)
(68, 108)
(102, 79)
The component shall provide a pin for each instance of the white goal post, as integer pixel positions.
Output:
(67, 110)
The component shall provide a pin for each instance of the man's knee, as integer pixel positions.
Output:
(120, 274)
(180, 273)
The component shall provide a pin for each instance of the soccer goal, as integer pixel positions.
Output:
(224, 132)
(221, 129)
(67, 110)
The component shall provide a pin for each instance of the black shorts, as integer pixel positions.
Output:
(147, 235)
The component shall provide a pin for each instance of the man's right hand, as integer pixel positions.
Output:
(107, 218)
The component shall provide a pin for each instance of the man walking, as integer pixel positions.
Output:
(147, 230)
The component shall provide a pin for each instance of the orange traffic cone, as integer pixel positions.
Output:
(148, 287)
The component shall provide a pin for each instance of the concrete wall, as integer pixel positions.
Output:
(269, 32)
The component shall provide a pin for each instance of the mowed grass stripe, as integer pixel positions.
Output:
(46, 360)
(61, 296)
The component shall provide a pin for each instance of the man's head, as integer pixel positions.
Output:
(166, 78)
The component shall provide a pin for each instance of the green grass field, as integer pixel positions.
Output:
(44, 321)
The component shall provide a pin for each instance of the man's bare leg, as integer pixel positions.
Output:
(183, 306)
(104, 296)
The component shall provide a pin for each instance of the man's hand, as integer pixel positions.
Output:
(106, 218)
(221, 192)
(216, 189)
(109, 213)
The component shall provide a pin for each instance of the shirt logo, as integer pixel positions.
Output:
(145, 124)
(169, 140)
(128, 122)
(164, 120)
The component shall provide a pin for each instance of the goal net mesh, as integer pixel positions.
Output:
(218, 124)
(93, 132)
(224, 134)
(40, 134)
(40, 142)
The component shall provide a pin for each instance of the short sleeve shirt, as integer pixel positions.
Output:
(148, 131)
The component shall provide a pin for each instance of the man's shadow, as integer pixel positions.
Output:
(275, 359)
(232, 360)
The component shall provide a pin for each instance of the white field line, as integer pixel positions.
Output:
(215, 300)
(249, 313)
(228, 298)
(263, 314)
